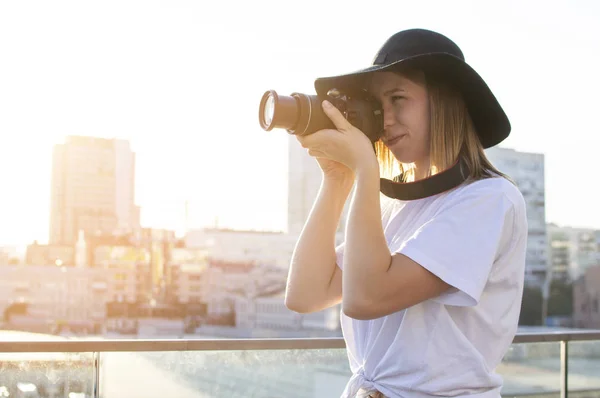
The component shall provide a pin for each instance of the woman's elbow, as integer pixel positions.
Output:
(296, 304)
(368, 308)
(358, 309)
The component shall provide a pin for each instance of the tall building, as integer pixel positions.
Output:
(92, 189)
(527, 171)
(304, 181)
(573, 251)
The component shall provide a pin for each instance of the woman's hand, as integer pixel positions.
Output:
(345, 146)
(335, 171)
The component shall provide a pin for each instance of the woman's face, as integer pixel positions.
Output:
(405, 106)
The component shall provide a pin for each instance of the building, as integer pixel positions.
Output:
(38, 254)
(573, 251)
(10, 255)
(195, 280)
(131, 268)
(186, 276)
(586, 299)
(92, 189)
(112, 294)
(40, 298)
(270, 313)
(246, 295)
(527, 171)
(268, 248)
(304, 181)
(160, 243)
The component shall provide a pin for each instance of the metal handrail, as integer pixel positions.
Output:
(97, 346)
(548, 337)
(137, 345)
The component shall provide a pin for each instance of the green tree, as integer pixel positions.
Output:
(560, 302)
(531, 307)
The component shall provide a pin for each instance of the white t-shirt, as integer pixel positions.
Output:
(474, 238)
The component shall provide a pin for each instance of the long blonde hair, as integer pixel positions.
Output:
(453, 135)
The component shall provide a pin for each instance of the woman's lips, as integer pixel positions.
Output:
(394, 140)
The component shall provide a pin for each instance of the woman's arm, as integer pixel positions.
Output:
(374, 282)
(314, 280)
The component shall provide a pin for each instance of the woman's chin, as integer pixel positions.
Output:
(403, 157)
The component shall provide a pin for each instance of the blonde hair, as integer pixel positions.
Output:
(453, 135)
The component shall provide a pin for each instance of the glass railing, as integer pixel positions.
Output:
(537, 365)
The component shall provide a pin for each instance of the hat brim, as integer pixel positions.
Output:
(490, 120)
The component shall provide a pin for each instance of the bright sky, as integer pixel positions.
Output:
(182, 80)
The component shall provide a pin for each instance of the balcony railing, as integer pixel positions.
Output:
(537, 365)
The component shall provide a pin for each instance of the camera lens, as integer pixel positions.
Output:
(299, 114)
(269, 110)
(278, 111)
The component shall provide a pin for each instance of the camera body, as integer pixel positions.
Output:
(302, 114)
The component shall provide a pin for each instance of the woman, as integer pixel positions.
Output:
(430, 288)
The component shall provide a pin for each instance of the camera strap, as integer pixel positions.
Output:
(430, 186)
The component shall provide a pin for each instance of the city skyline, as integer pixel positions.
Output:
(180, 224)
(92, 189)
(164, 78)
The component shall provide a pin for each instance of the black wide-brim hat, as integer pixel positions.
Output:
(433, 53)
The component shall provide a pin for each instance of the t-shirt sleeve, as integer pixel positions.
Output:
(462, 241)
(339, 254)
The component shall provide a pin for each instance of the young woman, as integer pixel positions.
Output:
(430, 287)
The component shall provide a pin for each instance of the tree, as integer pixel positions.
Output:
(560, 302)
(531, 307)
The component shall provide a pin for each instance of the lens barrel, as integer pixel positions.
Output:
(278, 111)
(299, 114)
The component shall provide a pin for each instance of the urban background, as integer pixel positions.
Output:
(103, 273)
(141, 199)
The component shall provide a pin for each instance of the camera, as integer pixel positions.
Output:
(301, 114)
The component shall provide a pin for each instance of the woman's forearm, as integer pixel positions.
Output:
(313, 261)
(366, 256)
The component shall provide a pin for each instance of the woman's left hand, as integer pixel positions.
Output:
(345, 144)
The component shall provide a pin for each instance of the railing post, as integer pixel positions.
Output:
(96, 386)
(564, 369)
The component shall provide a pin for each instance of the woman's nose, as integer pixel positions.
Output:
(389, 119)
